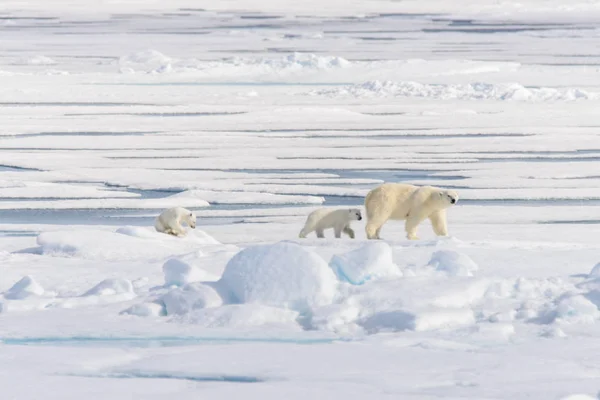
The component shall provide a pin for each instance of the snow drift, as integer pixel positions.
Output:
(472, 91)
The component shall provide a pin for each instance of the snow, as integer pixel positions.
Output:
(369, 262)
(253, 114)
(190, 297)
(111, 287)
(453, 263)
(178, 273)
(471, 91)
(595, 273)
(24, 288)
(283, 274)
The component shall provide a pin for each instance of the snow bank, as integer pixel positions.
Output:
(178, 272)
(145, 60)
(577, 309)
(244, 197)
(453, 263)
(244, 316)
(36, 60)
(24, 288)
(472, 91)
(98, 244)
(145, 310)
(371, 261)
(190, 297)
(109, 287)
(400, 320)
(595, 273)
(283, 274)
(578, 396)
(193, 235)
(155, 62)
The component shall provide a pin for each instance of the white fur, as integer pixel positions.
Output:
(169, 221)
(399, 201)
(326, 218)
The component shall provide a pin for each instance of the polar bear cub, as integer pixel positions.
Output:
(326, 218)
(169, 221)
(399, 201)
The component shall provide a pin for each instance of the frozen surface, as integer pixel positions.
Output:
(254, 113)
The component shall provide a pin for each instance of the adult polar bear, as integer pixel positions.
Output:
(400, 201)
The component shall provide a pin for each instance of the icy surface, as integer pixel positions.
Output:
(253, 114)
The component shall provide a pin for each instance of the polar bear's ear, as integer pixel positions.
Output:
(441, 194)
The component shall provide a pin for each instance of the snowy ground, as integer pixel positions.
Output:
(253, 114)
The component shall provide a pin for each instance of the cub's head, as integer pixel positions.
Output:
(355, 214)
(449, 197)
(191, 219)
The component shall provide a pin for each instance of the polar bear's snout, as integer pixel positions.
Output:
(357, 215)
(452, 200)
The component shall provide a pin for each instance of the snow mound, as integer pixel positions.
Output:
(146, 61)
(36, 60)
(110, 287)
(178, 272)
(300, 61)
(195, 235)
(471, 91)
(243, 197)
(98, 244)
(453, 263)
(24, 288)
(155, 62)
(578, 396)
(283, 274)
(145, 310)
(400, 320)
(244, 316)
(371, 261)
(190, 297)
(577, 309)
(595, 273)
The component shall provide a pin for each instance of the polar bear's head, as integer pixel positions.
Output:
(190, 219)
(448, 197)
(355, 214)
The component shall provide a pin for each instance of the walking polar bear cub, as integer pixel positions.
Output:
(399, 201)
(169, 221)
(326, 218)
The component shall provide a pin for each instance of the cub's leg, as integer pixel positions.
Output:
(348, 231)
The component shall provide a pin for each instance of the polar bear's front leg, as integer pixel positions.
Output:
(412, 222)
(337, 231)
(438, 223)
(305, 231)
(348, 231)
(178, 231)
(320, 233)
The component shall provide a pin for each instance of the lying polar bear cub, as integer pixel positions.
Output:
(414, 204)
(326, 218)
(169, 221)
